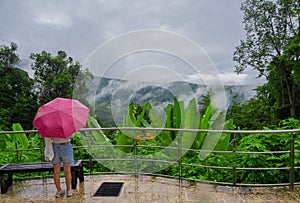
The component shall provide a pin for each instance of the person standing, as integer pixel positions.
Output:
(63, 153)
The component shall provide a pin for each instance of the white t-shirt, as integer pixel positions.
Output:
(62, 140)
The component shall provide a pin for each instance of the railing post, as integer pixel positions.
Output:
(180, 157)
(135, 159)
(234, 159)
(292, 161)
(180, 163)
(91, 165)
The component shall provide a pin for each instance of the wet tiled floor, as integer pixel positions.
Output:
(144, 189)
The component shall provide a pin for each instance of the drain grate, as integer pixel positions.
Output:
(109, 189)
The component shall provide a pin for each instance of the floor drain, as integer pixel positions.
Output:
(109, 189)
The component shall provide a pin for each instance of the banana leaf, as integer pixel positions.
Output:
(122, 139)
(224, 142)
(128, 122)
(215, 120)
(204, 124)
(169, 119)
(169, 116)
(141, 116)
(98, 135)
(211, 139)
(165, 138)
(20, 138)
(156, 122)
(131, 113)
(191, 121)
(177, 115)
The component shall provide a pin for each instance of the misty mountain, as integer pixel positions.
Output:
(112, 96)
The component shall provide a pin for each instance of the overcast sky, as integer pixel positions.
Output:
(80, 26)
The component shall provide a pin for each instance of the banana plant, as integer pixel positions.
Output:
(19, 140)
(132, 119)
(143, 117)
(179, 118)
(14, 141)
(97, 136)
(191, 119)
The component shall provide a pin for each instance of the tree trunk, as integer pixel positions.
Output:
(291, 95)
(290, 91)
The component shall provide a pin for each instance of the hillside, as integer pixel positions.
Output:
(112, 96)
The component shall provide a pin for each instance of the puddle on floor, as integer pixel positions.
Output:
(144, 189)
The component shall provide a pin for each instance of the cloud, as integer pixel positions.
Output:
(79, 27)
(55, 19)
(233, 78)
(227, 78)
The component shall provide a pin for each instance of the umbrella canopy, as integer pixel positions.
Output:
(60, 118)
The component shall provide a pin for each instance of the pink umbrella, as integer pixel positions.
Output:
(60, 118)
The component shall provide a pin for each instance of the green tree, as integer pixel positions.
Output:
(17, 100)
(292, 56)
(291, 60)
(269, 26)
(256, 113)
(54, 76)
(8, 57)
(284, 76)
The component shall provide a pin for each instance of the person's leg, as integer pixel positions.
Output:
(56, 170)
(68, 160)
(68, 176)
(56, 176)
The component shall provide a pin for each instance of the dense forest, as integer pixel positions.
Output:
(271, 46)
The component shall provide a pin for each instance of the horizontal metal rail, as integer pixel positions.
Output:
(290, 167)
(171, 129)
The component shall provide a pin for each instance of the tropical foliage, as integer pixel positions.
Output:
(192, 166)
(271, 47)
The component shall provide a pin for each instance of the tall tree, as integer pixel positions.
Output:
(8, 57)
(54, 76)
(17, 101)
(290, 60)
(269, 26)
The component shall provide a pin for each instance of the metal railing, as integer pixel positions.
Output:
(290, 168)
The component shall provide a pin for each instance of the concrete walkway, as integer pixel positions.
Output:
(145, 189)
